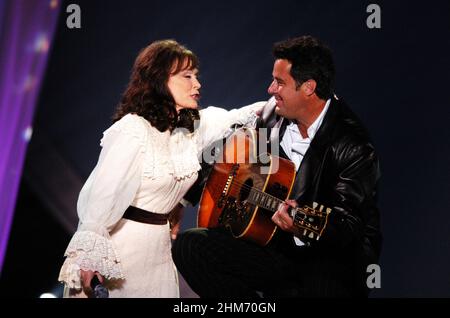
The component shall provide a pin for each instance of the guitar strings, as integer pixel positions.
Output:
(250, 188)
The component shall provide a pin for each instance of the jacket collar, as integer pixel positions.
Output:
(311, 166)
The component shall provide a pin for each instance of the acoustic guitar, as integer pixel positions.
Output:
(245, 188)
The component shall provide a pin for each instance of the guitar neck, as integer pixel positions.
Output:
(271, 203)
(310, 220)
(264, 200)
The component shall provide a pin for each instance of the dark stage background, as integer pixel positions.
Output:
(395, 78)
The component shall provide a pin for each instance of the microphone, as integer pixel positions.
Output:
(99, 290)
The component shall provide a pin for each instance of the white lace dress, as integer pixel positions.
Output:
(149, 169)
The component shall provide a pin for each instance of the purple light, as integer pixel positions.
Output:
(24, 24)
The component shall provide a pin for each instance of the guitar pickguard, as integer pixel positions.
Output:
(235, 213)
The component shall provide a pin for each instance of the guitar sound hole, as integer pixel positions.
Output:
(245, 190)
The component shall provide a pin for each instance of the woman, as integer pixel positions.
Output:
(149, 159)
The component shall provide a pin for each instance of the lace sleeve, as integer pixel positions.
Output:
(215, 122)
(89, 251)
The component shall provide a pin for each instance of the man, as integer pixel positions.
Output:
(336, 167)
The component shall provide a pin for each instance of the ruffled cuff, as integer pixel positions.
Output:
(250, 116)
(245, 117)
(89, 251)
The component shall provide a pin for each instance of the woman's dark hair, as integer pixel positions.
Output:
(147, 93)
(310, 59)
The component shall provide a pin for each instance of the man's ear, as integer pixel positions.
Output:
(309, 87)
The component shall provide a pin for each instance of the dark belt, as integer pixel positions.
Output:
(135, 214)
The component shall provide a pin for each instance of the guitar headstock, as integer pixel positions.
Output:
(312, 221)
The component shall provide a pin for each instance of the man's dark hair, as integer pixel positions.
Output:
(310, 59)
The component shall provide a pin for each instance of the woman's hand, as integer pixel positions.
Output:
(86, 278)
(175, 217)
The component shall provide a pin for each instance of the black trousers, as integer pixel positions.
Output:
(215, 264)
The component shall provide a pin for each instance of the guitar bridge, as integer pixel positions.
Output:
(227, 186)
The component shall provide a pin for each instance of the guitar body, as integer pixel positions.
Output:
(239, 179)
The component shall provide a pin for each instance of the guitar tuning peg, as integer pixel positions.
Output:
(315, 204)
(321, 208)
(311, 235)
(305, 232)
(328, 210)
